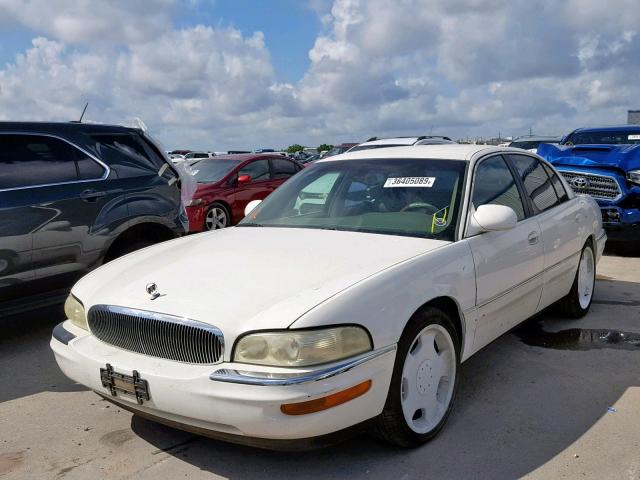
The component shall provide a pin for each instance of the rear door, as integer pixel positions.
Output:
(508, 263)
(560, 220)
(71, 193)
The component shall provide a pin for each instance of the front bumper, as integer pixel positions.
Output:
(196, 215)
(622, 225)
(226, 399)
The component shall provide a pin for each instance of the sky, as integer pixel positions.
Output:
(240, 74)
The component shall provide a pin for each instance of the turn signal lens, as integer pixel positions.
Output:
(324, 403)
(75, 312)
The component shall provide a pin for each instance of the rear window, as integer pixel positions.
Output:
(128, 152)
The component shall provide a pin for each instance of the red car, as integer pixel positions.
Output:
(226, 183)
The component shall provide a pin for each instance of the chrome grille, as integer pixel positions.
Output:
(603, 187)
(156, 334)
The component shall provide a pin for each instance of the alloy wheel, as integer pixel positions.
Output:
(216, 218)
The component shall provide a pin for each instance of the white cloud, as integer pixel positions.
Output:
(90, 21)
(461, 67)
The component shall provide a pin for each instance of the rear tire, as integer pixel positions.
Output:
(424, 381)
(577, 303)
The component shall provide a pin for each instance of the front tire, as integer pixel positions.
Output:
(577, 303)
(424, 380)
(217, 217)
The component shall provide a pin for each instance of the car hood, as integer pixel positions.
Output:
(243, 278)
(619, 157)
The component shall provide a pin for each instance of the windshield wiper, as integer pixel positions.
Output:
(250, 225)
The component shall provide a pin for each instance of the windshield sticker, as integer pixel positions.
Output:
(425, 182)
(633, 137)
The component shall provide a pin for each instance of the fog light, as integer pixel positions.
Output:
(319, 404)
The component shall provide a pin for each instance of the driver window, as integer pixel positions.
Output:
(258, 170)
(494, 184)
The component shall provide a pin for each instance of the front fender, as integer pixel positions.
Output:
(384, 302)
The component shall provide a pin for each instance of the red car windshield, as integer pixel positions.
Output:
(211, 171)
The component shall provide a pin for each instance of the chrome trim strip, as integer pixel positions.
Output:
(93, 157)
(284, 379)
(509, 290)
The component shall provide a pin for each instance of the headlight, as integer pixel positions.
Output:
(75, 312)
(193, 202)
(300, 348)
(634, 176)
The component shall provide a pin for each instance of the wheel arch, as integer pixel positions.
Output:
(154, 232)
(451, 307)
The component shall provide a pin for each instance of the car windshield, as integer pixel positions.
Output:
(416, 198)
(604, 138)
(211, 171)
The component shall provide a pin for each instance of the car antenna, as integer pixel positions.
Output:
(83, 110)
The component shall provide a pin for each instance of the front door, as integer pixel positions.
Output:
(257, 188)
(508, 263)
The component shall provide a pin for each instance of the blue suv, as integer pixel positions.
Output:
(73, 196)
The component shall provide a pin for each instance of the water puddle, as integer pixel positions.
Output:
(534, 335)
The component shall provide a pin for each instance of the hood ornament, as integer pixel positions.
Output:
(580, 182)
(152, 289)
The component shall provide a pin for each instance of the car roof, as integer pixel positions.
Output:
(450, 151)
(610, 128)
(392, 141)
(62, 127)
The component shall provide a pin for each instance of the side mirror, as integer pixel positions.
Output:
(244, 179)
(251, 206)
(490, 218)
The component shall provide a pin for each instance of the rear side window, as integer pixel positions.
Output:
(494, 184)
(536, 182)
(128, 153)
(282, 168)
(32, 160)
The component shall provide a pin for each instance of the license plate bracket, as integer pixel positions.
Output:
(127, 384)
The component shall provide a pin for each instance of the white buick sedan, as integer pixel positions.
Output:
(348, 298)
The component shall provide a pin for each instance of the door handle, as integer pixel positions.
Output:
(578, 218)
(533, 238)
(92, 195)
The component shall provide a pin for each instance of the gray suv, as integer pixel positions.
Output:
(73, 196)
